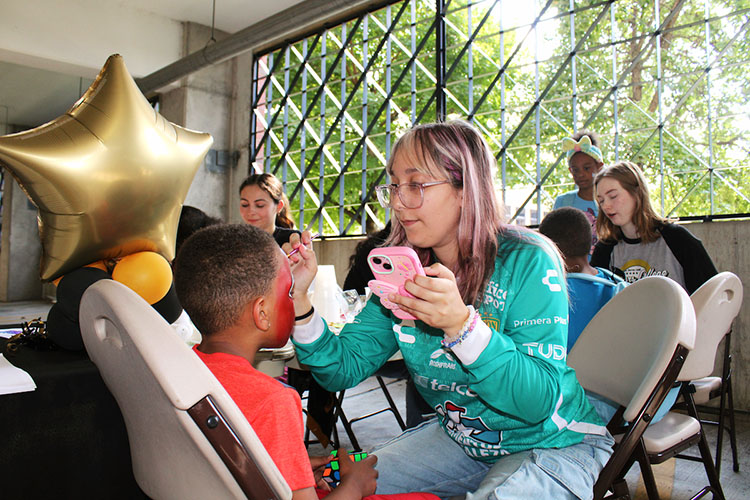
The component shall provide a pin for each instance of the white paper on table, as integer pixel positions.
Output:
(9, 332)
(13, 379)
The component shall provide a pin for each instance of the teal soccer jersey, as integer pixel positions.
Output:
(507, 387)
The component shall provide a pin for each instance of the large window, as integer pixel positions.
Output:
(663, 83)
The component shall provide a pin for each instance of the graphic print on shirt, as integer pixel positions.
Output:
(636, 269)
(441, 358)
(467, 430)
(494, 296)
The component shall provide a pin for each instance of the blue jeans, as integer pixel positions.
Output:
(426, 459)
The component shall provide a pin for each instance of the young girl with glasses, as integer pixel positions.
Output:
(488, 349)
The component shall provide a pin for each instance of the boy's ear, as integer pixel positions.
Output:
(261, 314)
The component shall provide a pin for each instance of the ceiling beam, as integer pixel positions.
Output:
(288, 24)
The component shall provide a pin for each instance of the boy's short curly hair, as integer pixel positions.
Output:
(221, 268)
(570, 229)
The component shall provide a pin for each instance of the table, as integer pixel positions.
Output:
(14, 314)
(67, 439)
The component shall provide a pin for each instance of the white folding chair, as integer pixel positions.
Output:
(717, 302)
(188, 439)
(709, 387)
(631, 353)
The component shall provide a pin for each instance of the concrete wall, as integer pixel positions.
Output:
(204, 102)
(726, 243)
(215, 100)
(21, 248)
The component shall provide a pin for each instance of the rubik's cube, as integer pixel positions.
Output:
(332, 472)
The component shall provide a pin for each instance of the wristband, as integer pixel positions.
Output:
(306, 315)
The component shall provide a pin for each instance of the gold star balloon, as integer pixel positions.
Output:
(109, 176)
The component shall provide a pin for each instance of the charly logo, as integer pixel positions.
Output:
(404, 337)
(553, 287)
(448, 363)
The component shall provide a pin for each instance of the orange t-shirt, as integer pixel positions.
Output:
(274, 411)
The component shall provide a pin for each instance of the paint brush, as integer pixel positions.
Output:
(297, 249)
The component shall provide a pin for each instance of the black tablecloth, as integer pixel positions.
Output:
(67, 439)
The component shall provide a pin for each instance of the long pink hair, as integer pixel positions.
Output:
(455, 151)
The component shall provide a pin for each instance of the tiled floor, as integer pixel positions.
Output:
(677, 479)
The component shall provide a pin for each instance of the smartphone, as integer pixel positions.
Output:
(391, 267)
(332, 472)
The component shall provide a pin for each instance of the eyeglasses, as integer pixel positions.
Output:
(411, 194)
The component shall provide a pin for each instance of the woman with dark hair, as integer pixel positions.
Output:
(263, 204)
(635, 240)
(487, 350)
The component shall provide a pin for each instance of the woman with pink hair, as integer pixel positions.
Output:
(487, 350)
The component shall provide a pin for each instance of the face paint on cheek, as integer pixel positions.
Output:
(284, 321)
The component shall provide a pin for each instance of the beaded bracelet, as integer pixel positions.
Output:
(466, 329)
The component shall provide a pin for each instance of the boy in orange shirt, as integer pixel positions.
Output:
(236, 285)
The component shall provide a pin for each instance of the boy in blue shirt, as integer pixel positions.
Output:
(589, 287)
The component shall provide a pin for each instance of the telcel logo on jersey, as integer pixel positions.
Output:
(450, 363)
(461, 389)
(435, 385)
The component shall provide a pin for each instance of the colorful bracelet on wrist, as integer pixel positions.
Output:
(466, 329)
(306, 315)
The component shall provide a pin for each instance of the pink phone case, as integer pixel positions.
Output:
(392, 266)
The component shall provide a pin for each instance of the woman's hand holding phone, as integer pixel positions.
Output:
(429, 294)
(392, 267)
(435, 299)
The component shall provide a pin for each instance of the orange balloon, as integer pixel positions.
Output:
(146, 273)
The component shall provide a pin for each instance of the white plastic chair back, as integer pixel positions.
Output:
(717, 302)
(156, 380)
(626, 348)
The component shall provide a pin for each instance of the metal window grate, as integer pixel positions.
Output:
(662, 83)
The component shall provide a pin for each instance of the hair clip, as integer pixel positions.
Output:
(571, 147)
